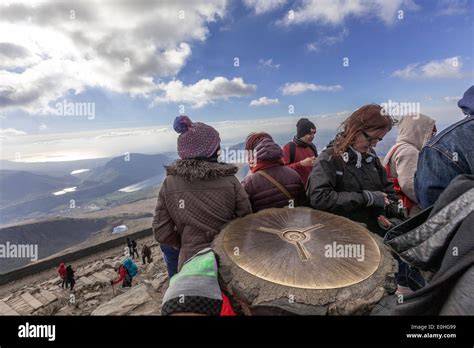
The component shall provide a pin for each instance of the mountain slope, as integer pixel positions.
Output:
(31, 196)
(23, 186)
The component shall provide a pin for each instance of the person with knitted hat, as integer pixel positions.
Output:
(300, 153)
(271, 184)
(199, 194)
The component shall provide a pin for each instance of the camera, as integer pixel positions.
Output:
(396, 210)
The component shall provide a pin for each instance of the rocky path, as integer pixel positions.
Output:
(93, 294)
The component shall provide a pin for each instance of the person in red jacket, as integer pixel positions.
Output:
(300, 153)
(122, 276)
(62, 273)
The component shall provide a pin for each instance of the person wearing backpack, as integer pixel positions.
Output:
(401, 160)
(126, 271)
(300, 153)
(271, 184)
(348, 178)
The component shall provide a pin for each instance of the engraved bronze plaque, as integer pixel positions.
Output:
(302, 248)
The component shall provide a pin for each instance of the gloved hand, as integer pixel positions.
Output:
(375, 198)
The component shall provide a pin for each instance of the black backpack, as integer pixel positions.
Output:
(293, 152)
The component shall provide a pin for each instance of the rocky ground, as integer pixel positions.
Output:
(41, 294)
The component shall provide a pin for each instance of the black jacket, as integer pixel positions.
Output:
(444, 247)
(69, 273)
(336, 186)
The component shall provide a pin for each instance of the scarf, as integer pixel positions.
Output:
(266, 164)
(301, 143)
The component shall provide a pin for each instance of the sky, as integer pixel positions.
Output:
(86, 79)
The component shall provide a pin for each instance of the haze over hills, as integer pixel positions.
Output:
(59, 168)
(27, 195)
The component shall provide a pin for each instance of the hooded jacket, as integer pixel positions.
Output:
(122, 273)
(413, 134)
(336, 186)
(195, 200)
(262, 193)
(62, 270)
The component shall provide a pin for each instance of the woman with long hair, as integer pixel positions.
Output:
(348, 178)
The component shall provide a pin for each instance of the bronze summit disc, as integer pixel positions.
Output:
(302, 248)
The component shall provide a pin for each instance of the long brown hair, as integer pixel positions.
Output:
(369, 118)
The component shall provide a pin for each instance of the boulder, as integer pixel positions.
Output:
(92, 303)
(136, 301)
(159, 281)
(91, 295)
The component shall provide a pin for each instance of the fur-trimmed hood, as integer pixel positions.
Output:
(191, 169)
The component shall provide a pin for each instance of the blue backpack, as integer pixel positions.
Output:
(131, 267)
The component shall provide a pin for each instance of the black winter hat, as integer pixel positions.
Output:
(303, 127)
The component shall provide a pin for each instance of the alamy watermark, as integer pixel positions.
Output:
(337, 250)
(399, 109)
(37, 331)
(67, 108)
(20, 251)
(229, 155)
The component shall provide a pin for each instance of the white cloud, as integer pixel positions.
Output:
(158, 139)
(264, 6)
(326, 41)
(263, 101)
(449, 68)
(90, 144)
(203, 92)
(301, 87)
(126, 133)
(43, 127)
(337, 11)
(11, 132)
(452, 7)
(268, 63)
(449, 99)
(121, 46)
